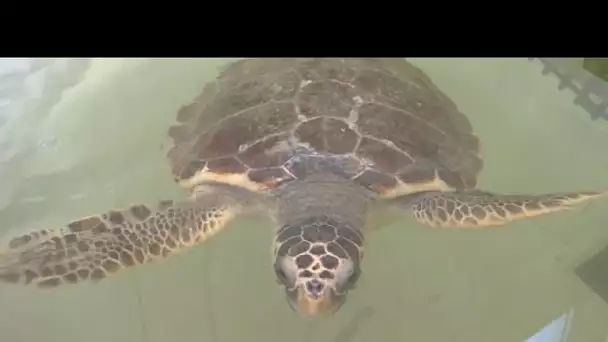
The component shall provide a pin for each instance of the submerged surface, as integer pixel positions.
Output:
(99, 144)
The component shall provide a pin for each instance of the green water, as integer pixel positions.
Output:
(105, 149)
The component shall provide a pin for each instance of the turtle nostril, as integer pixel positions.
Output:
(315, 287)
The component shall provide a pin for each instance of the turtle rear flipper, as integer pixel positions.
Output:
(94, 247)
(479, 209)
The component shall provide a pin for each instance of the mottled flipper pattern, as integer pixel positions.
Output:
(94, 247)
(478, 209)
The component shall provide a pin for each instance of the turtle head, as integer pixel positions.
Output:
(317, 261)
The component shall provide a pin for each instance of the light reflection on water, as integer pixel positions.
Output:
(29, 88)
(75, 150)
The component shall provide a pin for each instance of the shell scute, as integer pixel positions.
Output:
(270, 177)
(377, 181)
(255, 91)
(413, 93)
(269, 152)
(327, 98)
(339, 136)
(382, 155)
(381, 122)
(346, 166)
(327, 135)
(419, 172)
(191, 168)
(311, 133)
(326, 69)
(452, 178)
(226, 165)
(244, 129)
(408, 132)
(386, 88)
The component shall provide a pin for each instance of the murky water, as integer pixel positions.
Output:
(91, 138)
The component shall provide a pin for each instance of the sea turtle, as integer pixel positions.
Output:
(320, 146)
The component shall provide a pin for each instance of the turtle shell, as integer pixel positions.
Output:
(383, 122)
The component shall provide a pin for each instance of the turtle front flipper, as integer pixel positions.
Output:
(94, 247)
(479, 209)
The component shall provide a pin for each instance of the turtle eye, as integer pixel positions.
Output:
(281, 276)
(352, 280)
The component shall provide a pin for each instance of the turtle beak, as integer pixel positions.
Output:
(308, 304)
